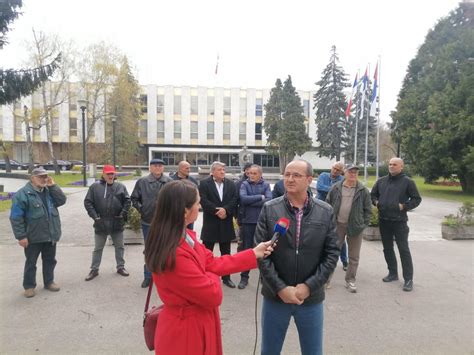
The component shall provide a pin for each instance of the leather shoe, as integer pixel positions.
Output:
(243, 284)
(29, 292)
(146, 283)
(122, 272)
(408, 285)
(92, 275)
(228, 283)
(53, 287)
(390, 278)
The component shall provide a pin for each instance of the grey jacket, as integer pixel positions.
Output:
(361, 209)
(145, 193)
(311, 261)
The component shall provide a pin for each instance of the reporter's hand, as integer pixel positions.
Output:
(23, 242)
(288, 295)
(263, 250)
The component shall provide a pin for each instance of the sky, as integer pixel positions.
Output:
(177, 42)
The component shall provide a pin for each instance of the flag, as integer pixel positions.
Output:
(348, 109)
(217, 64)
(373, 99)
(365, 79)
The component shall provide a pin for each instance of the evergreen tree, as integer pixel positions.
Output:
(17, 83)
(125, 105)
(434, 119)
(285, 123)
(330, 104)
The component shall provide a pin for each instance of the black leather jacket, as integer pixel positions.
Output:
(311, 262)
(145, 194)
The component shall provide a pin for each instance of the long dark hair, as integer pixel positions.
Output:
(167, 226)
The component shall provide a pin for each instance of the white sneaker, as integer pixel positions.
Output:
(351, 287)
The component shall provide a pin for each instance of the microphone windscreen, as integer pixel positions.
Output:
(281, 226)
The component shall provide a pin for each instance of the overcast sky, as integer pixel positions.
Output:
(176, 42)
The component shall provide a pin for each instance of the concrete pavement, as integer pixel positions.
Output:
(104, 315)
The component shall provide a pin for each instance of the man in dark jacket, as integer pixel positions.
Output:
(218, 202)
(107, 203)
(144, 198)
(293, 276)
(35, 222)
(254, 192)
(184, 168)
(352, 210)
(394, 195)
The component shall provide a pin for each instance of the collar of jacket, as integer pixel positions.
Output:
(31, 189)
(396, 177)
(151, 178)
(102, 181)
(255, 183)
(305, 211)
(358, 187)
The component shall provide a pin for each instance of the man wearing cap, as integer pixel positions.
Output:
(34, 218)
(352, 210)
(394, 195)
(107, 202)
(144, 198)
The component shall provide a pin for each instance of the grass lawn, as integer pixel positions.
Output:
(5, 205)
(453, 193)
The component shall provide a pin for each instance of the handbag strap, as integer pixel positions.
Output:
(147, 303)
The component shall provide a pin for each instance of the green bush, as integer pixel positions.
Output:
(138, 172)
(374, 219)
(134, 220)
(464, 217)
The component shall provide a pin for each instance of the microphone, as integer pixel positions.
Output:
(280, 229)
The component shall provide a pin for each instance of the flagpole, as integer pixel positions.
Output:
(366, 134)
(378, 122)
(356, 124)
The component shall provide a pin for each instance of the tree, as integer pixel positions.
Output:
(125, 105)
(285, 123)
(330, 104)
(434, 119)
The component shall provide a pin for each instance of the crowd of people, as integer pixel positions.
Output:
(295, 271)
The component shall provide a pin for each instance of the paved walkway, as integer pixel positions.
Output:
(104, 316)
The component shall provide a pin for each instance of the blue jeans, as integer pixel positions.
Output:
(276, 318)
(247, 231)
(344, 252)
(145, 230)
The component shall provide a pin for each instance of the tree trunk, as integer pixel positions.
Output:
(29, 143)
(47, 123)
(467, 183)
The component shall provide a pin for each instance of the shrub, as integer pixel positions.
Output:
(134, 220)
(138, 172)
(465, 216)
(374, 219)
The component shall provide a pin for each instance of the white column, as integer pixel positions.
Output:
(169, 101)
(250, 133)
(234, 116)
(151, 114)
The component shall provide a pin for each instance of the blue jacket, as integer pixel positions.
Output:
(251, 200)
(325, 183)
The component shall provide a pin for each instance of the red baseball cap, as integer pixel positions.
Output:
(108, 169)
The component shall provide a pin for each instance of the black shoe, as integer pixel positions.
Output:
(344, 265)
(243, 284)
(390, 278)
(408, 285)
(122, 272)
(92, 275)
(146, 283)
(228, 283)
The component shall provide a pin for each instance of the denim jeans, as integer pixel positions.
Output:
(247, 232)
(276, 318)
(343, 255)
(145, 231)
(48, 255)
(100, 239)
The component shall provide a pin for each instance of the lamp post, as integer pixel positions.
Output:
(114, 122)
(83, 105)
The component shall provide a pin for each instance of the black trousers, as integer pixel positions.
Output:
(224, 248)
(398, 230)
(48, 255)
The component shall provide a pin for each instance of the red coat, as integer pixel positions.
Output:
(191, 293)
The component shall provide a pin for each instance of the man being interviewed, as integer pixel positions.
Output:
(294, 275)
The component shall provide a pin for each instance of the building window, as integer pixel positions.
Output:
(259, 107)
(18, 130)
(266, 160)
(72, 126)
(143, 129)
(306, 108)
(194, 130)
(258, 131)
(167, 157)
(55, 126)
(177, 104)
(243, 107)
(210, 106)
(226, 106)
(242, 131)
(160, 104)
(144, 103)
(210, 130)
(226, 130)
(194, 105)
(160, 129)
(177, 129)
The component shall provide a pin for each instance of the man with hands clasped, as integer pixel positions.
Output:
(294, 275)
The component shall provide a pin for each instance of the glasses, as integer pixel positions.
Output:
(294, 176)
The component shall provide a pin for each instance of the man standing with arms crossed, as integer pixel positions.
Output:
(144, 198)
(394, 195)
(36, 225)
(293, 277)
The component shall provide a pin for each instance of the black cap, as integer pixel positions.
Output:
(157, 161)
(246, 166)
(351, 166)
